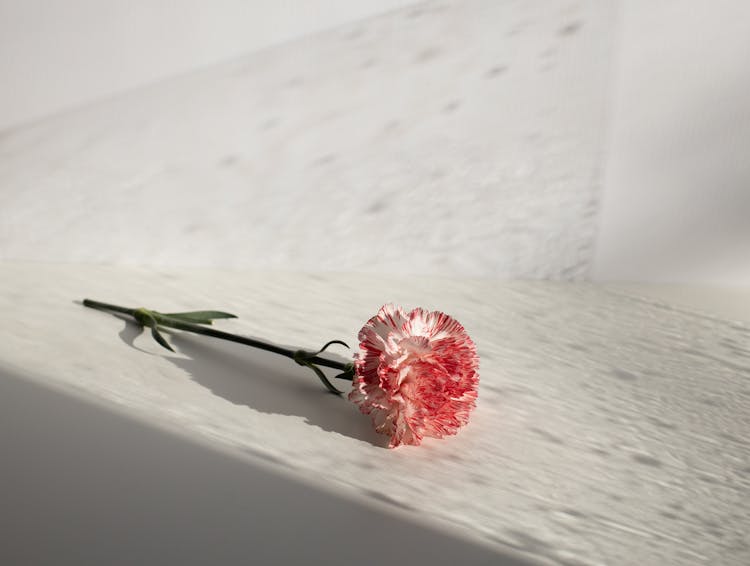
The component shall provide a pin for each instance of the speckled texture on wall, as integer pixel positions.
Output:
(451, 138)
(609, 429)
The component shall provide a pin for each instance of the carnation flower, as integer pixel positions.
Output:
(416, 374)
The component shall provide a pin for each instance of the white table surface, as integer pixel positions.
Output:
(610, 429)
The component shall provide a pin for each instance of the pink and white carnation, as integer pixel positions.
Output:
(416, 374)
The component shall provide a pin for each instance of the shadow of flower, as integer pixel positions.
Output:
(268, 383)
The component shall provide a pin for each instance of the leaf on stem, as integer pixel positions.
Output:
(323, 349)
(304, 358)
(160, 339)
(323, 378)
(147, 318)
(198, 317)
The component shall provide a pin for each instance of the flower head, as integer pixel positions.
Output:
(416, 374)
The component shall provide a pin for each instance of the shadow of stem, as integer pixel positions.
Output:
(268, 384)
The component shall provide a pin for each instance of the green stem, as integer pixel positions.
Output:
(163, 320)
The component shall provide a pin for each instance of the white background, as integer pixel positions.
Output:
(59, 54)
(674, 176)
(676, 202)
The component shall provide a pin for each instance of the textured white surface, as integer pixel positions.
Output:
(609, 429)
(729, 303)
(453, 138)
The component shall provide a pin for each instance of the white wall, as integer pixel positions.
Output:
(676, 202)
(456, 138)
(675, 191)
(59, 54)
